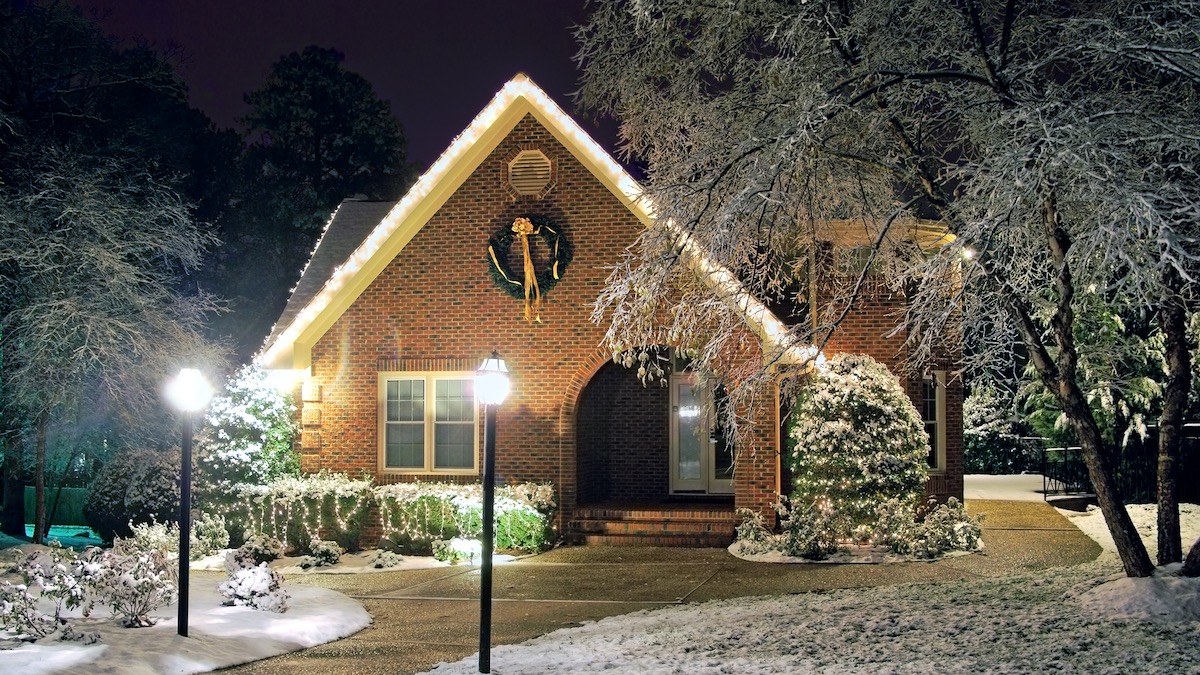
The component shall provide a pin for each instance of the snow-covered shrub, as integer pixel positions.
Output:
(20, 616)
(385, 559)
(856, 439)
(298, 510)
(152, 536)
(136, 486)
(752, 532)
(248, 436)
(454, 551)
(324, 553)
(61, 580)
(945, 527)
(259, 587)
(209, 535)
(811, 529)
(135, 583)
(130, 582)
(415, 515)
(261, 548)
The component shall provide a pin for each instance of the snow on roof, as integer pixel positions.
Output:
(355, 253)
(350, 224)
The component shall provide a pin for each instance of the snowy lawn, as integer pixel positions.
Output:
(218, 636)
(1064, 620)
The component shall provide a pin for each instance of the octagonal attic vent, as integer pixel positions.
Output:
(529, 173)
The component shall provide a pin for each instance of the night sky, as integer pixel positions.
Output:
(438, 62)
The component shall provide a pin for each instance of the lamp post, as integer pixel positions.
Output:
(189, 392)
(491, 388)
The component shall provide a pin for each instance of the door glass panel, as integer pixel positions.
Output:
(722, 446)
(722, 458)
(690, 417)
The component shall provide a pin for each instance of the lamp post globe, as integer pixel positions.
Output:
(491, 381)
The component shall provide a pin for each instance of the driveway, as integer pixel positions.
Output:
(423, 617)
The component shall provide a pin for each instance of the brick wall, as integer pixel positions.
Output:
(435, 307)
(436, 301)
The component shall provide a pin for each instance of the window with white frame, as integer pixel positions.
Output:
(427, 423)
(933, 413)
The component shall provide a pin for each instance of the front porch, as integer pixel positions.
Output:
(650, 469)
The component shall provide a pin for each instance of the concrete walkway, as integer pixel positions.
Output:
(423, 617)
(1025, 487)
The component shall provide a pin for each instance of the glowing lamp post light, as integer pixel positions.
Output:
(189, 392)
(491, 388)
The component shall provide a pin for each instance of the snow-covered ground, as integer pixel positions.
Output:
(1065, 620)
(218, 636)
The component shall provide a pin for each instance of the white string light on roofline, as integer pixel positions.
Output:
(781, 346)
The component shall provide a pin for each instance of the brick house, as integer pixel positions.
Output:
(398, 306)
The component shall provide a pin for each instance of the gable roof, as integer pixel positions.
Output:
(350, 224)
(351, 253)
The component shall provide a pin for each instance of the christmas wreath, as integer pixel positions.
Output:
(530, 284)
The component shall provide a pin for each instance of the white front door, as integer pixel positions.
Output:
(701, 460)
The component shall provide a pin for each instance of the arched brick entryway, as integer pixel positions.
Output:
(622, 439)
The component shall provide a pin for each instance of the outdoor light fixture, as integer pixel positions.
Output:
(491, 388)
(189, 392)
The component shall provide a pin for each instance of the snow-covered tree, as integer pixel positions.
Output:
(1054, 143)
(249, 434)
(94, 247)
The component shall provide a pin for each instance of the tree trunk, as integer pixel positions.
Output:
(1172, 321)
(12, 520)
(1059, 372)
(1191, 564)
(1134, 558)
(39, 482)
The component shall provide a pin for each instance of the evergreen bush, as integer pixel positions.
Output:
(856, 439)
(991, 442)
(248, 437)
(136, 486)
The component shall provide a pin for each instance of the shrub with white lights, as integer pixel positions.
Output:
(856, 440)
(416, 515)
(298, 510)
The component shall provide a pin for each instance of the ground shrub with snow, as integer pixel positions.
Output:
(252, 585)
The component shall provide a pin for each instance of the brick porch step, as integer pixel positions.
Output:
(655, 525)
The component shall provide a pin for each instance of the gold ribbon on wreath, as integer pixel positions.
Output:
(533, 295)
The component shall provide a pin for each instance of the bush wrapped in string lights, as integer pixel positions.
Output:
(415, 515)
(298, 511)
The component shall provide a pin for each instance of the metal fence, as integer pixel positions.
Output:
(1136, 472)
